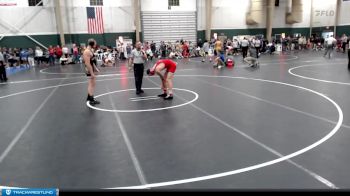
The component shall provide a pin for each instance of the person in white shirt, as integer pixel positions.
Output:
(344, 41)
(235, 45)
(300, 43)
(206, 50)
(330, 43)
(257, 45)
(39, 55)
(138, 58)
(349, 56)
(245, 44)
(65, 51)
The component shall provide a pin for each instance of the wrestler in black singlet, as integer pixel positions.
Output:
(93, 63)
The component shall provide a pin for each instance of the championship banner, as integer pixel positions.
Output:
(8, 2)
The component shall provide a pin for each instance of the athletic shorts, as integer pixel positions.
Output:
(172, 69)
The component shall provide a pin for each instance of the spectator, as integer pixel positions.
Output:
(344, 40)
(51, 56)
(3, 77)
(65, 51)
(59, 52)
(39, 55)
(31, 57)
(75, 54)
(250, 59)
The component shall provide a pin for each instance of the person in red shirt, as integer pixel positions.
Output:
(185, 50)
(58, 52)
(167, 78)
(52, 55)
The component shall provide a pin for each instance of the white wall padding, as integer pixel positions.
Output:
(169, 26)
(254, 16)
(296, 16)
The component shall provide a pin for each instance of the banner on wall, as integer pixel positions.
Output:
(8, 2)
(324, 13)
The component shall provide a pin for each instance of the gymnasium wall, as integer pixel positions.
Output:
(229, 18)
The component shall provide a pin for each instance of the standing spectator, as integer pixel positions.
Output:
(200, 43)
(185, 50)
(4, 53)
(244, 45)
(218, 47)
(153, 47)
(3, 77)
(51, 56)
(59, 52)
(344, 40)
(300, 43)
(31, 57)
(304, 42)
(75, 54)
(235, 46)
(138, 58)
(257, 45)
(122, 51)
(330, 43)
(65, 51)
(163, 49)
(39, 55)
(205, 49)
(128, 53)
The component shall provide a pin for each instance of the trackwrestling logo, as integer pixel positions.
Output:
(15, 192)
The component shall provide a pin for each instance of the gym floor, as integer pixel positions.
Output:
(284, 125)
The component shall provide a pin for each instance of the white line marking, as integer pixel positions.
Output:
(97, 76)
(26, 126)
(107, 73)
(273, 103)
(48, 87)
(250, 168)
(229, 173)
(40, 80)
(132, 153)
(274, 61)
(290, 71)
(136, 100)
(145, 110)
(144, 97)
(311, 173)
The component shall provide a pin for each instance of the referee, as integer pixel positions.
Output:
(138, 58)
(349, 55)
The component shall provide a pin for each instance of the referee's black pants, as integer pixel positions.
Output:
(2, 72)
(349, 58)
(138, 73)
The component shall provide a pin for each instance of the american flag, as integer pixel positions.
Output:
(95, 20)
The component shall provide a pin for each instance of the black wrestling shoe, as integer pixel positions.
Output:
(169, 97)
(94, 102)
(162, 95)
